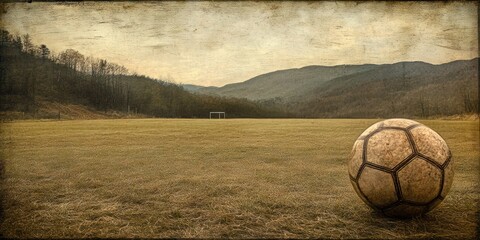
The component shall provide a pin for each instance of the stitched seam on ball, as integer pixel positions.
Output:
(352, 178)
(411, 141)
(369, 202)
(449, 158)
(413, 126)
(378, 167)
(398, 189)
(444, 166)
(404, 162)
(431, 161)
(400, 167)
(397, 203)
(442, 182)
(414, 153)
(394, 128)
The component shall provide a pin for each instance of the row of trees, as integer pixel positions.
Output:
(60, 75)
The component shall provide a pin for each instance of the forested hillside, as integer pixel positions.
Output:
(408, 89)
(32, 75)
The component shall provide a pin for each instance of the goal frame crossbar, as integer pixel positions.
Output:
(219, 114)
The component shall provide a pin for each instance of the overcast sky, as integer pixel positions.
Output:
(208, 43)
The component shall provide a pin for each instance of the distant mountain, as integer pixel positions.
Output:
(191, 87)
(285, 83)
(405, 89)
(298, 82)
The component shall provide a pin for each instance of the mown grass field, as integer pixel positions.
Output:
(211, 178)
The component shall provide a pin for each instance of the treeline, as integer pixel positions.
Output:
(29, 73)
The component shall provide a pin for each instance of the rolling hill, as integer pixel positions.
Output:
(407, 89)
(404, 89)
(295, 83)
(284, 83)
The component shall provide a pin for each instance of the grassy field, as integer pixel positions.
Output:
(211, 178)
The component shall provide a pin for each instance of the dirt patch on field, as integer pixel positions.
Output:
(65, 111)
(68, 111)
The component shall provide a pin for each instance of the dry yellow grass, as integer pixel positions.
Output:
(211, 178)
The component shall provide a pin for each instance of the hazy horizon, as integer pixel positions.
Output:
(217, 43)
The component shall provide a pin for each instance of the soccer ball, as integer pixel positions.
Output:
(401, 168)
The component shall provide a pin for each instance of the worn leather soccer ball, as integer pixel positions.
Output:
(401, 168)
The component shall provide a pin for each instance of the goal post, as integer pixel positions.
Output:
(220, 114)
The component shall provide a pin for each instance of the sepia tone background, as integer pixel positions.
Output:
(104, 113)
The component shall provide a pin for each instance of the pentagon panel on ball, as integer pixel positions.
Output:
(401, 168)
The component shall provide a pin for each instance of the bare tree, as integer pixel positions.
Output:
(27, 44)
(72, 59)
(44, 51)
